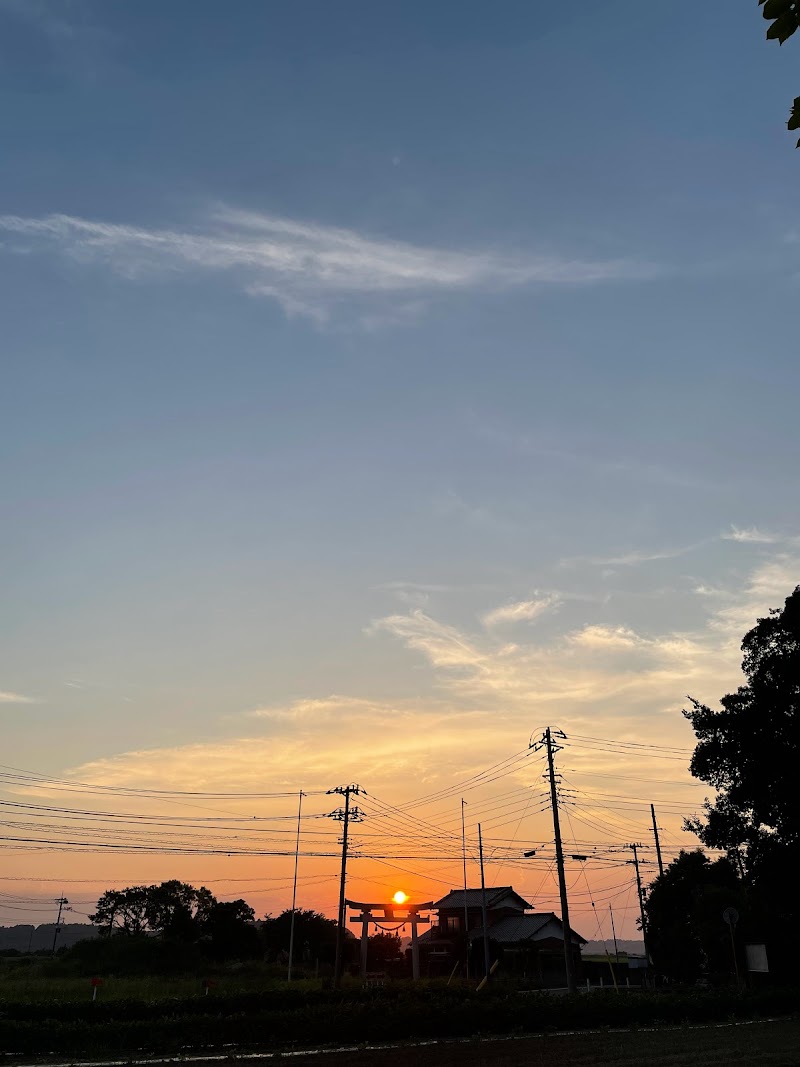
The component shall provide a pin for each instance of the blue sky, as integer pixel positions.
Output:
(374, 363)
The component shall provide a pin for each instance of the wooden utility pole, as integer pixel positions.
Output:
(484, 911)
(640, 893)
(546, 741)
(658, 843)
(294, 887)
(344, 816)
(614, 934)
(466, 909)
(62, 903)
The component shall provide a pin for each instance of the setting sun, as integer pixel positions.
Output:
(400, 897)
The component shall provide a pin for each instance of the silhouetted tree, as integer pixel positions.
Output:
(230, 932)
(123, 910)
(687, 936)
(383, 948)
(749, 751)
(177, 910)
(314, 936)
(785, 18)
(173, 909)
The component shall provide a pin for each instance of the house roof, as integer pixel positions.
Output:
(516, 928)
(473, 898)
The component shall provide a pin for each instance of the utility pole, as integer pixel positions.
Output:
(62, 903)
(658, 843)
(546, 741)
(484, 915)
(294, 887)
(343, 815)
(466, 909)
(614, 934)
(640, 891)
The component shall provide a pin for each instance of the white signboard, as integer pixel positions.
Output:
(756, 956)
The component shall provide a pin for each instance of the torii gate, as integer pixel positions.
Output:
(393, 913)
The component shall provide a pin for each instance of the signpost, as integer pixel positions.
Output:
(731, 917)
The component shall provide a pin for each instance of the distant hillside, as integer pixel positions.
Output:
(599, 948)
(39, 938)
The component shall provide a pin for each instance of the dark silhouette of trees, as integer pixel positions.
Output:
(314, 936)
(686, 934)
(383, 948)
(749, 751)
(785, 18)
(173, 909)
(122, 910)
(179, 913)
(229, 931)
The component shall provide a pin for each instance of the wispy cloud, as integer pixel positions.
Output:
(635, 557)
(521, 610)
(703, 589)
(591, 458)
(306, 267)
(16, 698)
(607, 638)
(602, 669)
(46, 17)
(303, 743)
(750, 535)
(769, 585)
(77, 44)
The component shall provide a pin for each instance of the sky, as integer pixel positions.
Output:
(382, 384)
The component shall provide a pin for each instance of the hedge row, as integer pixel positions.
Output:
(356, 1018)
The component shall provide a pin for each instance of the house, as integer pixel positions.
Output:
(608, 968)
(622, 961)
(528, 945)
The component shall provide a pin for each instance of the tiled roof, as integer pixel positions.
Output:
(474, 898)
(517, 928)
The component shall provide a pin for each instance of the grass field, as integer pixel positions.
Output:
(36, 989)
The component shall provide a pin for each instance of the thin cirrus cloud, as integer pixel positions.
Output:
(399, 743)
(635, 557)
(307, 268)
(521, 610)
(750, 535)
(15, 698)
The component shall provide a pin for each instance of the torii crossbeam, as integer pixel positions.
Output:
(392, 913)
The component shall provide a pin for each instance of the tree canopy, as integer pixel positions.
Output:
(382, 948)
(784, 16)
(314, 936)
(749, 751)
(687, 936)
(178, 912)
(173, 909)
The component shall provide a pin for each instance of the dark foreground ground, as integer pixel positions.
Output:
(774, 1043)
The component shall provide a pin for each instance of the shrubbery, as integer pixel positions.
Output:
(289, 1017)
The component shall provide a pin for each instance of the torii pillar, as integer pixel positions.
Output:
(392, 913)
